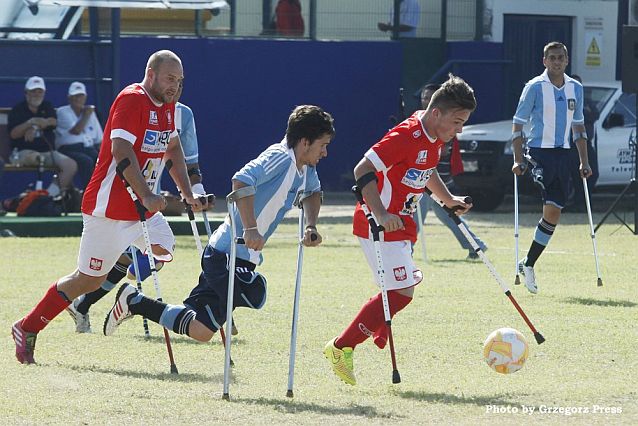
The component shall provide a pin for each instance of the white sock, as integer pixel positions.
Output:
(53, 189)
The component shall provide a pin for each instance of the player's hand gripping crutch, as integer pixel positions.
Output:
(295, 309)
(593, 233)
(538, 336)
(209, 232)
(138, 279)
(141, 210)
(517, 280)
(375, 230)
(231, 200)
(198, 242)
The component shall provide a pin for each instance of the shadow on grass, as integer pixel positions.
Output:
(596, 302)
(458, 260)
(444, 398)
(215, 341)
(145, 375)
(290, 406)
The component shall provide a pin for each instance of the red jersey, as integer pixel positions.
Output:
(149, 127)
(404, 158)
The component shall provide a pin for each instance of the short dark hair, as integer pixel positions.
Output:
(455, 93)
(554, 45)
(310, 122)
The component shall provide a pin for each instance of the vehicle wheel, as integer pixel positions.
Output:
(486, 201)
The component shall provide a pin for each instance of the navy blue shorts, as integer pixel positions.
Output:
(208, 298)
(555, 164)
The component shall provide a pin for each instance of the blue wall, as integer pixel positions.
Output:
(487, 79)
(242, 92)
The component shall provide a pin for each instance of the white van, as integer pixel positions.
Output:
(486, 148)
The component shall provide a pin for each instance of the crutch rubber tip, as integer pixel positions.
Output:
(517, 280)
(289, 394)
(396, 378)
(600, 282)
(174, 369)
(226, 397)
(539, 338)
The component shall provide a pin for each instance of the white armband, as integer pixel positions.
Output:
(518, 134)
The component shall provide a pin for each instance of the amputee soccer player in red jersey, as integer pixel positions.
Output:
(140, 131)
(402, 163)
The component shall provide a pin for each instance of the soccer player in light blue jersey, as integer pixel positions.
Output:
(279, 175)
(553, 103)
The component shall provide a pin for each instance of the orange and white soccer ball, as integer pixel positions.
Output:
(505, 350)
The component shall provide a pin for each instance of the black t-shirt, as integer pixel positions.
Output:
(21, 113)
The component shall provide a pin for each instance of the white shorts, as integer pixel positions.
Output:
(104, 240)
(399, 268)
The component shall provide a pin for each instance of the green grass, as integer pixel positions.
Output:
(589, 359)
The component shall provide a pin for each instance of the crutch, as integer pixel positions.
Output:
(141, 210)
(206, 224)
(200, 249)
(138, 279)
(538, 336)
(593, 233)
(419, 216)
(209, 232)
(376, 229)
(295, 309)
(517, 280)
(231, 199)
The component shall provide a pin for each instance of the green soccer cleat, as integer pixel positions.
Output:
(341, 361)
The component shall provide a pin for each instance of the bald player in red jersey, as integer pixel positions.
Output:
(139, 138)
(403, 163)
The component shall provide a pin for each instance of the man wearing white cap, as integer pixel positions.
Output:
(79, 133)
(30, 126)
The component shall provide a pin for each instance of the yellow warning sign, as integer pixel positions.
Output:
(593, 48)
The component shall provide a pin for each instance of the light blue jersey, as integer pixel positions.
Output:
(552, 111)
(277, 180)
(185, 125)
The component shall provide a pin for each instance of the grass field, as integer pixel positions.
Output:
(589, 361)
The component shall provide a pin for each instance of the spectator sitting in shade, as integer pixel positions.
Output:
(30, 126)
(79, 132)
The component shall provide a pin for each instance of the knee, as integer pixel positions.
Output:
(200, 332)
(160, 251)
(68, 164)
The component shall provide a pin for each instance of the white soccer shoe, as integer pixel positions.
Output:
(120, 311)
(82, 323)
(530, 277)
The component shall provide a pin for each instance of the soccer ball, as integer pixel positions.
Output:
(505, 350)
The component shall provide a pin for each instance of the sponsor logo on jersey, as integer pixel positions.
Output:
(95, 264)
(416, 178)
(416, 134)
(150, 171)
(422, 157)
(169, 117)
(400, 274)
(410, 204)
(152, 118)
(155, 141)
(571, 104)
(44, 320)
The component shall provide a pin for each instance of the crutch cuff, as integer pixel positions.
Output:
(366, 179)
